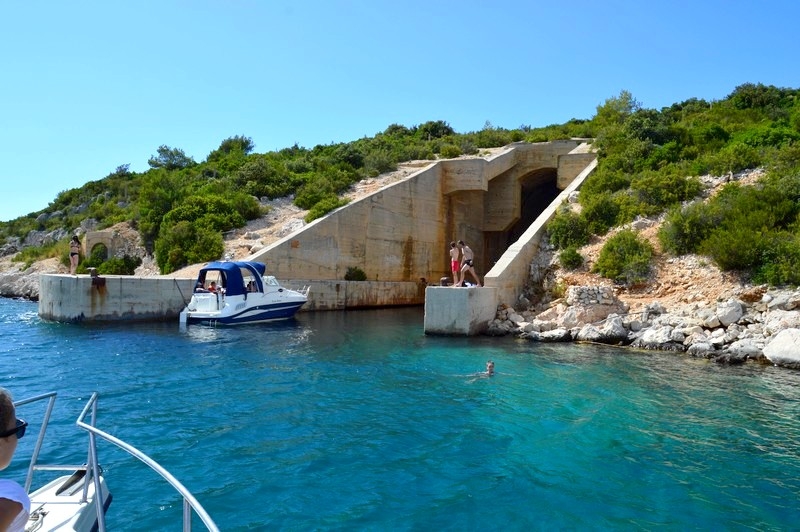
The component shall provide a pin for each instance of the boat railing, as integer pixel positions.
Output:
(92, 469)
(271, 281)
(189, 502)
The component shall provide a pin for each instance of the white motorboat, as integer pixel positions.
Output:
(239, 292)
(70, 502)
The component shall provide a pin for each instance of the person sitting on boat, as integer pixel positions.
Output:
(212, 287)
(200, 287)
(15, 505)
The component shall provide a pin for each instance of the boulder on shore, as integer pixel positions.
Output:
(784, 349)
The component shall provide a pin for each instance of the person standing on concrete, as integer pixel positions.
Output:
(467, 264)
(455, 263)
(74, 254)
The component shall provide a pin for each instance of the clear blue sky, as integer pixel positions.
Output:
(88, 86)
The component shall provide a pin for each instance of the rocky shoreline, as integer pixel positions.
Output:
(760, 325)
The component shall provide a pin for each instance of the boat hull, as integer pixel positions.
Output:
(255, 314)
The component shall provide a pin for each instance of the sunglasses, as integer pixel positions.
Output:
(19, 430)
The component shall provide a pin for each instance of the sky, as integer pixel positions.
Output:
(88, 86)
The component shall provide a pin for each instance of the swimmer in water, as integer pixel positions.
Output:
(483, 374)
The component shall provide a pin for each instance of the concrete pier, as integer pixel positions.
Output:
(459, 311)
(77, 298)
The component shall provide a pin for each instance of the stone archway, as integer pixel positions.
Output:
(110, 239)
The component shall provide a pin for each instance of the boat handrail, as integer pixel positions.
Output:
(189, 501)
(34, 465)
(92, 468)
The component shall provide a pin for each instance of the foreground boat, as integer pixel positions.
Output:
(70, 502)
(239, 292)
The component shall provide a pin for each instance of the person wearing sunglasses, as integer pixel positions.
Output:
(15, 506)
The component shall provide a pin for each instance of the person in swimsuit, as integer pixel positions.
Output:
(455, 264)
(74, 253)
(15, 505)
(467, 264)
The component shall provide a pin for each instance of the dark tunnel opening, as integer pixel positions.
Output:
(536, 197)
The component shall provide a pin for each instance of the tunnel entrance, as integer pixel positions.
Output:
(538, 190)
(536, 197)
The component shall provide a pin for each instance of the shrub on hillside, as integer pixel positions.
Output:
(661, 191)
(600, 211)
(685, 228)
(324, 206)
(733, 158)
(733, 248)
(625, 258)
(450, 151)
(378, 162)
(185, 243)
(570, 259)
(605, 180)
(567, 229)
(119, 266)
(780, 261)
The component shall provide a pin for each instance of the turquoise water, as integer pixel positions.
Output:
(359, 421)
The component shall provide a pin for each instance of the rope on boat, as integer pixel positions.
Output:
(183, 297)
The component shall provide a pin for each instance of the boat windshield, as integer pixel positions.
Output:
(270, 280)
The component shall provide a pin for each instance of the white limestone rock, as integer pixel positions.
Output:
(701, 349)
(784, 349)
(744, 349)
(729, 312)
(778, 320)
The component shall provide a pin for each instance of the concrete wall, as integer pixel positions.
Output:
(570, 166)
(75, 298)
(343, 295)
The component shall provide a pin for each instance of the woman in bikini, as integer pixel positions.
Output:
(74, 254)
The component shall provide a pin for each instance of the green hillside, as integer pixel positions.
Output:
(648, 162)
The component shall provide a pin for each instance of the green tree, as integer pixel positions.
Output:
(185, 243)
(614, 111)
(170, 159)
(160, 192)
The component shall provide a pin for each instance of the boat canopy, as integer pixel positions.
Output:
(236, 275)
